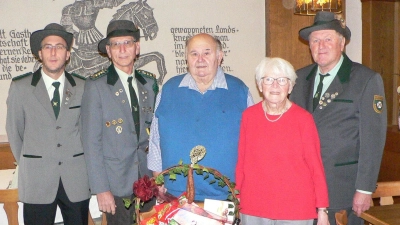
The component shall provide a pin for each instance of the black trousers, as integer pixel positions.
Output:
(73, 213)
(122, 214)
(125, 216)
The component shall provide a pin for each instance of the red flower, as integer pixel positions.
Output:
(145, 188)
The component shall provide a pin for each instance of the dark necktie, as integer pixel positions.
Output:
(317, 95)
(55, 102)
(134, 107)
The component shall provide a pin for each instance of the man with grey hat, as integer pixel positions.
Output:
(43, 128)
(117, 110)
(348, 104)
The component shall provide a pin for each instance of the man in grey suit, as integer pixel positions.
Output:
(347, 101)
(43, 128)
(117, 110)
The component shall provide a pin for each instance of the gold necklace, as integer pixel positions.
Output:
(265, 113)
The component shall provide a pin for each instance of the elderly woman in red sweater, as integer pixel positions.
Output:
(279, 172)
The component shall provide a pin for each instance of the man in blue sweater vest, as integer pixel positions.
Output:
(201, 107)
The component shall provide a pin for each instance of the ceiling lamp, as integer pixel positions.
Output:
(311, 7)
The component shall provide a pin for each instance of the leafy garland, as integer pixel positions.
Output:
(182, 169)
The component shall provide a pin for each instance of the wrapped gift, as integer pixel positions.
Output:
(184, 217)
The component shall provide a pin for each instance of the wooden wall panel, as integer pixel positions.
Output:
(282, 36)
(390, 168)
(380, 29)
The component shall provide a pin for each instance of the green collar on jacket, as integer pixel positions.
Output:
(343, 73)
(37, 75)
(112, 76)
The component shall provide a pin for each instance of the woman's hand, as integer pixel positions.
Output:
(322, 217)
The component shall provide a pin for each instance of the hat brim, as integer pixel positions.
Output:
(331, 25)
(38, 36)
(117, 33)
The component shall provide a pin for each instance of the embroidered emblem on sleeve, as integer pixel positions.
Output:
(378, 103)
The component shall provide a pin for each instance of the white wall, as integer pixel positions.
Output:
(353, 21)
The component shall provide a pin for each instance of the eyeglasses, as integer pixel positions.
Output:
(49, 47)
(126, 43)
(282, 81)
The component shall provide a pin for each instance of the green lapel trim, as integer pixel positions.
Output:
(140, 74)
(140, 78)
(70, 79)
(112, 75)
(345, 69)
(36, 77)
(312, 72)
(343, 73)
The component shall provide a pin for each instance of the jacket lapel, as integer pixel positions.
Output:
(41, 93)
(142, 91)
(119, 93)
(142, 97)
(68, 93)
(338, 85)
(309, 89)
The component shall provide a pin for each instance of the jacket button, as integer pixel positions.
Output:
(59, 163)
(58, 145)
(58, 127)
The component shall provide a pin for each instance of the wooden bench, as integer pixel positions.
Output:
(385, 191)
(7, 160)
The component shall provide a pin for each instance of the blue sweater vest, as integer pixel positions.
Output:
(188, 118)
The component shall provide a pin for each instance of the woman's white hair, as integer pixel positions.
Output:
(277, 66)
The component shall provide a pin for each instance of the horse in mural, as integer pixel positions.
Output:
(142, 16)
(85, 58)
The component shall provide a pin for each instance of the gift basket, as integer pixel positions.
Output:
(183, 210)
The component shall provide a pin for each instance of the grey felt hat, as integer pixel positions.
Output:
(51, 29)
(118, 28)
(325, 21)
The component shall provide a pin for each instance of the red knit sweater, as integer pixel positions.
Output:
(279, 172)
